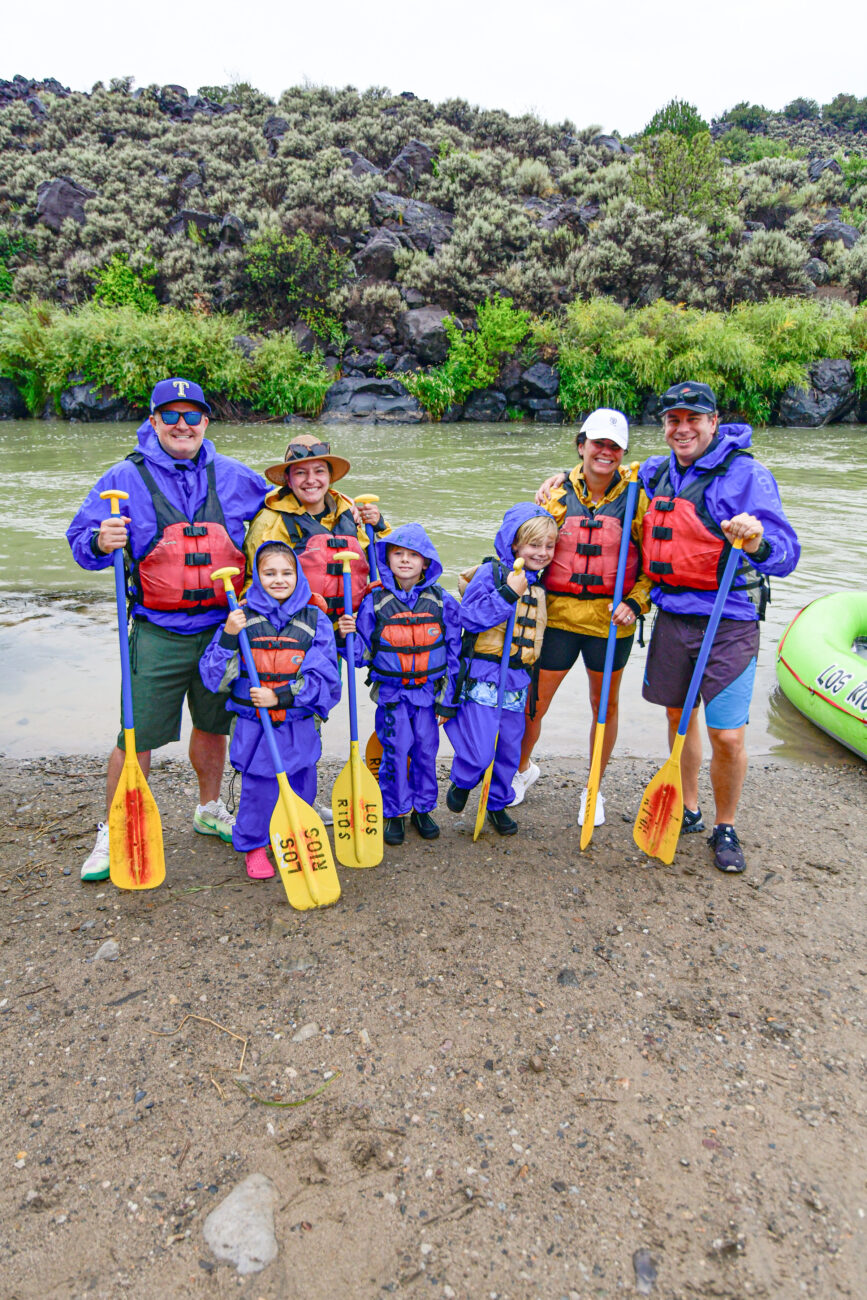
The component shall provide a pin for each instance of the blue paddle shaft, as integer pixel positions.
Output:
(631, 496)
(710, 632)
(123, 637)
(371, 553)
(264, 715)
(350, 659)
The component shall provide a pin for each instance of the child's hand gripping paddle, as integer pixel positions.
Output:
(298, 838)
(135, 833)
(501, 694)
(356, 801)
(599, 735)
(660, 816)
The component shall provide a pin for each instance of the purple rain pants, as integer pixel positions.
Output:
(259, 794)
(407, 731)
(472, 735)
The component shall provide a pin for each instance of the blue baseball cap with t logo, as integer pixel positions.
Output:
(178, 390)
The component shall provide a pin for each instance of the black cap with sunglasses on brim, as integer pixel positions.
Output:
(688, 396)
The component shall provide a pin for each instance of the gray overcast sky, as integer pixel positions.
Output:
(591, 63)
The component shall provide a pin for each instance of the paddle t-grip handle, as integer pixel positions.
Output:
(346, 560)
(115, 496)
(225, 576)
(368, 499)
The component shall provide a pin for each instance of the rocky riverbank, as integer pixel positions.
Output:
(503, 1069)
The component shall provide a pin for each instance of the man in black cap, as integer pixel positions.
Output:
(184, 517)
(706, 494)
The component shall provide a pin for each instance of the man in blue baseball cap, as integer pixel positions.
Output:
(185, 516)
(706, 494)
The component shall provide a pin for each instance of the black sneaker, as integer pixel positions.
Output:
(425, 825)
(692, 821)
(502, 823)
(727, 852)
(393, 830)
(456, 798)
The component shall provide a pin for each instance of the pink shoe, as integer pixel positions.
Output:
(258, 864)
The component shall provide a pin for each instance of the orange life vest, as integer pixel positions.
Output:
(584, 564)
(278, 657)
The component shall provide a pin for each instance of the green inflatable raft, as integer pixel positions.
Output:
(819, 670)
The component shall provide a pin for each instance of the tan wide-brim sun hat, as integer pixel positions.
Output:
(305, 446)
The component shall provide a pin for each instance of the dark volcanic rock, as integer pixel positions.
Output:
(487, 404)
(232, 232)
(413, 161)
(427, 227)
(423, 332)
(550, 215)
(540, 381)
(205, 222)
(376, 258)
(87, 402)
(274, 127)
(612, 144)
(361, 166)
(827, 231)
(376, 401)
(62, 198)
(829, 399)
(12, 404)
(817, 270)
(819, 165)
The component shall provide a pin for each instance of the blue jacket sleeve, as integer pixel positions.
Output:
(452, 620)
(364, 624)
(317, 687)
(750, 488)
(486, 603)
(220, 663)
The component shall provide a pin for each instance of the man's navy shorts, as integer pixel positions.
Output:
(727, 684)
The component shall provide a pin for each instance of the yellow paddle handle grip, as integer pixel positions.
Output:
(367, 499)
(517, 566)
(225, 576)
(633, 472)
(114, 495)
(346, 560)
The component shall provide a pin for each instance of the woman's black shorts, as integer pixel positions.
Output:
(560, 650)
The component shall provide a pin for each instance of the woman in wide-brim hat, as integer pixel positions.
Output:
(316, 521)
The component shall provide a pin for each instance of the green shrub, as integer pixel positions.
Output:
(677, 117)
(847, 112)
(296, 277)
(118, 285)
(13, 248)
(752, 117)
(740, 146)
(285, 380)
(683, 177)
(474, 356)
(802, 110)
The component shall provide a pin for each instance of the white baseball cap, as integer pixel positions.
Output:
(605, 423)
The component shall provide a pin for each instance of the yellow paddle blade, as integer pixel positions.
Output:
(593, 786)
(135, 833)
(483, 796)
(373, 754)
(660, 816)
(356, 803)
(302, 851)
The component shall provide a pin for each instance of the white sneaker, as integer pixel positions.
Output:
(599, 819)
(214, 818)
(96, 866)
(521, 783)
(325, 813)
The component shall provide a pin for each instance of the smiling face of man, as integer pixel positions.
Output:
(689, 433)
(181, 441)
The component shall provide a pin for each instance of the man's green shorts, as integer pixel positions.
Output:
(165, 669)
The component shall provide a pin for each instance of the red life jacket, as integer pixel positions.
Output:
(174, 573)
(318, 552)
(588, 547)
(278, 657)
(408, 645)
(683, 545)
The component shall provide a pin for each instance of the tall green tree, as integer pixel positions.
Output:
(683, 177)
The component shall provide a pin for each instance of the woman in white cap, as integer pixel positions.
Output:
(588, 506)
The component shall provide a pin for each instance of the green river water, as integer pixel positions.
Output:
(60, 682)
